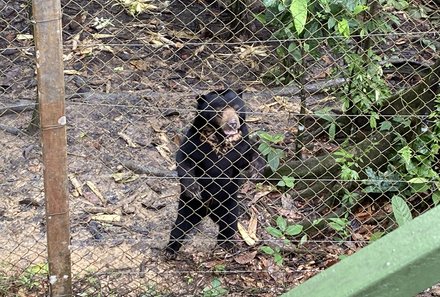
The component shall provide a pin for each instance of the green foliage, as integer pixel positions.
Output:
(349, 199)
(32, 277)
(367, 87)
(382, 182)
(401, 210)
(347, 161)
(324, 114)
(376, 235)
(411, 170)
(341, 226)
(286, 182)
(298, 9)
(397, 4)
(189, 279)
(219, 268)
(92, 287)
(385, 126)
(302, 23)
(215, 289)
(303, 239)
(273, 155)
(5, 284)
(150, 291)
(282, 231)
(101, 23)
(416, 160)
(275, 253)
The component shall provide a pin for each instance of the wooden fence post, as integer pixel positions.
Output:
(49, 56)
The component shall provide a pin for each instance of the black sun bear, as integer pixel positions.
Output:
(209, 163)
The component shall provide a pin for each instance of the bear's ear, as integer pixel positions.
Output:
(201, 100)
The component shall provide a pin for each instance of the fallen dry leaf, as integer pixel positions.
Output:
(95, 190)
(72, 72)
(25, 36)
(127, 139)
(245, 235)
(76, 184)
(252, 228)
(165, 152)
(99, 35)
(259, 195)
(245, 258)
(106, 218)
(124, 177)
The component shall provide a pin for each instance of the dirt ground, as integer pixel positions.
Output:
(130, 94)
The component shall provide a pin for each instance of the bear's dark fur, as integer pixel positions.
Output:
(212, 155)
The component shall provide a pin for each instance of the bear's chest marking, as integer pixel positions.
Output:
(220, 148)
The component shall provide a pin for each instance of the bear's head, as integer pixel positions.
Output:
(223, 111)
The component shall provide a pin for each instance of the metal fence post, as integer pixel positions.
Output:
(49, 55)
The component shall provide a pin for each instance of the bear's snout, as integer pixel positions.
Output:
(233, 124)
(230, 122)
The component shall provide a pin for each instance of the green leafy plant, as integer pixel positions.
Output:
(382, 182)
(100, 23)
(215, 289)
(397, 4)
(415, 161)
(325, 114)
(6, 283)
(286, 182)
(273, 155)
(401, 210)
(418, 164)
(341, 226)
(367, 87)
(282, 231)
(347, 163)
(302, 23)
(349, 198)
(376, 235)
(33, 276)
(91, 285)
(274, 252)
(219, 268)
(288, 18)
(151, 291)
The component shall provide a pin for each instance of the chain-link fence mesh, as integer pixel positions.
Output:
(328, 158)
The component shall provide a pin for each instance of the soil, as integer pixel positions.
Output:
(130, 93)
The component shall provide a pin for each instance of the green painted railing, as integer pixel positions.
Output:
(402, 263)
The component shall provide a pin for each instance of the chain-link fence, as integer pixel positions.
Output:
(316, 133)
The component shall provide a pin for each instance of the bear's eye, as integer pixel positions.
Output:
(237, 107)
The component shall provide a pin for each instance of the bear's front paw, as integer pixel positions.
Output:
(191, 190)
(170, 254)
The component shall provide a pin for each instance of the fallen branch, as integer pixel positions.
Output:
(17, 107)
(11, 130)
(151, 171)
